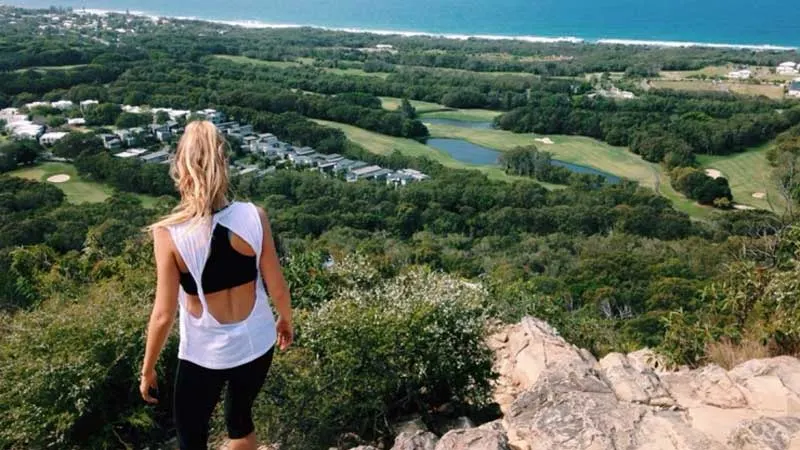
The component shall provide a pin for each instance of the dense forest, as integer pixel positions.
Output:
(393, 286)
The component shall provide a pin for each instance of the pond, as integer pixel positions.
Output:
(458, 123)
(470, 153)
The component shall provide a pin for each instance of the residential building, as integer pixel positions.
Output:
(302, 161)
(63, 105)
(156, 157)
(248, 170)
(163, 136)
(110, 141)
(212, 115)
(88, 103)
(743, 74)
(405, 176)
(794, 89)
(24, 129)
(76, 122)
(267, 138)
(333, 157)
(362, 173)
(131, 153)
(51, 138)
(786, 71)
(304, 151)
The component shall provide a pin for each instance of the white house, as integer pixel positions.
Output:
(22, 128)
(76, 122)
(788, 64)
(743, 74)
(63, 105)
(786, 71)
(52, 137)
(87, 103)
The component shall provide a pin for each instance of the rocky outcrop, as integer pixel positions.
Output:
(415, 440)
(557, 396)
(473, 439)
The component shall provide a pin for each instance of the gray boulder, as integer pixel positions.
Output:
(416, 440)
(781, 433)
(473, 439)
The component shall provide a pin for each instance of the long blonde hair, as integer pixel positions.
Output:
(200, 172)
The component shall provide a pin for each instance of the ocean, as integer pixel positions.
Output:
(733, 22)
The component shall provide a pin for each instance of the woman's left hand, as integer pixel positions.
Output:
(149, 381)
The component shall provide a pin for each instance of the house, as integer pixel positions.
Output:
(9, 115)
(63, 105)
(212, 115)
(163, 136)
(248, 170)
(131, 153)
(788, 68)
(110, 141)
(333, 158)
(302, 161)
(405, 176)
(88, 104)
(362, 173)
(304, 151)
(267, 138)
(51, 138)
(326, 166)
(156, 157)
(794, 88)
(76, 122)
(743, 74)
(790, 64)
(24, 129)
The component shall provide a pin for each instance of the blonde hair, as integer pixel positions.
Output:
(200, 172)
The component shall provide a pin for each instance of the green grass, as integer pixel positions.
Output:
(46, 68)
(383, 145)
(468, 115)
(302, 62)
(393, 103)
(747, 173)
(76, 189)
(574, 149)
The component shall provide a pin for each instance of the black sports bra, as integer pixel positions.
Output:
(225, 268)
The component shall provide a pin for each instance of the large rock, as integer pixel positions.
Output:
(638, 385)
(417, 440)
(767, 434)
(473, 439)
(770, 385)
(710, 386)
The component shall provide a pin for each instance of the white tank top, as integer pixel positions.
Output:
(203, 340)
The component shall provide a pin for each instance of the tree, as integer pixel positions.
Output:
(102, 114)
(56, 121)
(76, 143)
(407, 109)
(162, 117)
(131, 120)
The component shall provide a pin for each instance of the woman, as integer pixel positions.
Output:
(214, 258)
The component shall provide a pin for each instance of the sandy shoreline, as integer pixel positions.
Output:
(456, 36)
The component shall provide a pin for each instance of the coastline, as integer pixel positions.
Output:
(255, 24)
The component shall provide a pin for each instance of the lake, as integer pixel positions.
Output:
(458, 123)
(470, 153)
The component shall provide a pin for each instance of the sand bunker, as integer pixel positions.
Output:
(742, 207)
(713, 173)
(547, 141)
(759, 195)
(61, 178)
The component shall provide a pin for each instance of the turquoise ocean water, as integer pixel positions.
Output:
(745, 22)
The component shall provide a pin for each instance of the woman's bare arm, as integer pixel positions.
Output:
(163, 315)
(270, 267)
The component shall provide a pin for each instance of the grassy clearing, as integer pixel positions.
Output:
(76, 189)
(46, 68)
(384, 145)
(301, 62)
(759, 73)
(748, 172)
(767, 90)
(574, 149)
(393, 103)
(469, 115)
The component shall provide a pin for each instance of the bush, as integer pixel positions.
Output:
(69, 372)
(404, 345)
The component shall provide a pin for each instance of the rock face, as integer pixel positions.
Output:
(557, 396)
(415, 440)
(473, 439)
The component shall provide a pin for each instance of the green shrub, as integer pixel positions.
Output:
(69, 372)
(370, 354)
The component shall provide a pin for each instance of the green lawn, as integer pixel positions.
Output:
(76, 189)
(748, 172)
(384, 145)
(469, 115)
(574, 149)
(46, 68)
(302, 62)
(393, 103)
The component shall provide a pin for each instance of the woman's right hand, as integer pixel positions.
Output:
(285, 333)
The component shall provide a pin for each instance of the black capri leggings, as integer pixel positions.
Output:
(197, 391)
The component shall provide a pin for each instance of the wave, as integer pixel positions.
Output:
(524, 38)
